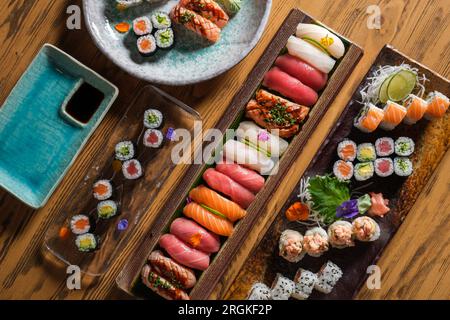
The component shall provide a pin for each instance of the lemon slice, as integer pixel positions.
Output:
(401, 85)
(383, 93)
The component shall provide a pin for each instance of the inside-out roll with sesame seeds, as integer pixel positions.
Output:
(282, 288)
(327, 277)
(304, 284)
(259, 291)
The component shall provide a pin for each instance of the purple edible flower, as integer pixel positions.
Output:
(348, 209)
(263, 136)
(122, 225)
(170, 135)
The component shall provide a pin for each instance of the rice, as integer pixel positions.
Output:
(259, 291)
(327, 277)
(282, 288)
(304, 284)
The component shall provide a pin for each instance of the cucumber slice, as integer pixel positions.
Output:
(401, 85)
(383, 93)
(217, 213)
(317, 45)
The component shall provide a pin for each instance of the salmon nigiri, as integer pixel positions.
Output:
(437, 105)
(195, 23)
(393, 115)
(210, 221)
(415, 109)
(215, 201)
(208, 9)
(369, 118)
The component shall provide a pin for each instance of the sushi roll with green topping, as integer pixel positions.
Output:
(80, 224)
(404, 146)
(87, 242)
(153, 118)
(146, 45)
(153, 138)
(403, 166)
(363, 171)
(366, 152)
(124, 150)
(161, 20)
(142, 26)
(102, 190)
(106, 209)
(164, 38)
(282, 288)
(132, 169)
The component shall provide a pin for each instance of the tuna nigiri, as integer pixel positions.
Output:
(208, 9)
(210, 221)
(437, 105)
(393, 115)
(194, 235)
(211, 199)
(379, 205)
(290, 87)
(195, 23)
(224, 184)
(415, 109)
(184, 254)
(303, 71)
(369, 118)
(247, 178)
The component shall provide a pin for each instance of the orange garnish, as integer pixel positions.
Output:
(195, 240)
(63, 232)
(122, 27)
(297, 211)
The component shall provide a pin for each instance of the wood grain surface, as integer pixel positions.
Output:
(415, 264)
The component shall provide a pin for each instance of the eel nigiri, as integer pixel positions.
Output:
(194, 235)
(161, 286)
(290, 87)
(184, 254)
(195, 23)
(208, 9)
(247, 178)
(303, 71)
(210, 221)
(224, 184)
(369, 118)
(211, 199)
(437, 105)
(415, 109)
(393, 115)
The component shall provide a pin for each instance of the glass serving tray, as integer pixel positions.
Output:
(133, 197)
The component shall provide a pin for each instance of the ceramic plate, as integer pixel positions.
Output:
(192, 59)
(39, 139)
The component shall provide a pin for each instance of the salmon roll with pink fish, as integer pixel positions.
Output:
(415, 109)
(393, 116)
(369, 118)
(437, 105)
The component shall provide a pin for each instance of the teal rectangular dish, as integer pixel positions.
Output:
(39, 139)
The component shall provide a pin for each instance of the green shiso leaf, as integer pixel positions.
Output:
(364, 204)
(328, 193)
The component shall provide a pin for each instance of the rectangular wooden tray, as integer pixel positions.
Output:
(129, 276)
(432, 142)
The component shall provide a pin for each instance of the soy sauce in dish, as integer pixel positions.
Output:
(84, 103)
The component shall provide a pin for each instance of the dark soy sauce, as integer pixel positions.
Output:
(84, 103)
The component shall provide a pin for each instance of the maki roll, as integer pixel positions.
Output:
(404, 146)
(290, 246)
(384, 146)
(304, 284)
(282, 288)
(259, 291)
(315, 242)
(415, 109)
(438, 104)
(340, 234)
(366, 229)
(363, 171)
(153, 138)
(102, 190)
(132, 169)
(124, 150)
(164, 38)
(384, 167)
(146, 45)
(393, 115)
(87, 242)
(369, 118)
(327, 277)
(153, 118)
(142, 26)
(403, 166)
(343, 170)
(366, 152)
(161, 20)
(106, 209)
(80, 224)
(346, 150)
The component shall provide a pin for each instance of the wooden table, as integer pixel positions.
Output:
(416, 263)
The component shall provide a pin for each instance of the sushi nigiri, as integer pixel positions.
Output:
(210, 221)
(290, 87)
(208, 9)
(437, 105)
(247, 178)
(393, 115)
(311, 54)
(195, 23)
(321, 38)
(194, 235)
(369, 118)
(184, 254)
(415, 109)
(303, 71)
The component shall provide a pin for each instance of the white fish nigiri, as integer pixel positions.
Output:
(242, 154)
(307, 52)
(321, 37)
